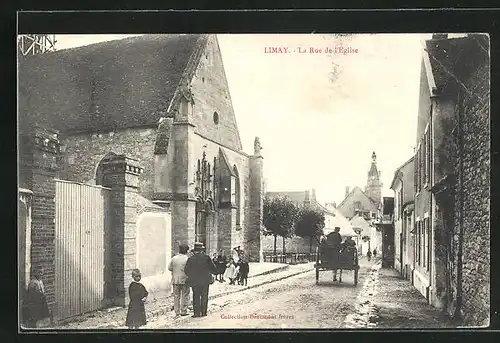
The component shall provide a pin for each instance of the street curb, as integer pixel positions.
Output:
(162, 311)
(258, 284)
(276, 270)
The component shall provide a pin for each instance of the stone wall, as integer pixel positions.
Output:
(83, 152)
(211, 94)
(475, 195)
(38, 152)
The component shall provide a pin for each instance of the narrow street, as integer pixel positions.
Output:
(296, 302)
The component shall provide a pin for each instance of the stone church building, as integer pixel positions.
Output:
(163, 102)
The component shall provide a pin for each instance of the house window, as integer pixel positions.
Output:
(420, 167)
(424, 244)
(415, 173)
(357, 206)
(429, 245)
(216, 118)
(429, 153)
(419, 242)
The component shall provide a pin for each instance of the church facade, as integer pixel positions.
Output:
(164, 101)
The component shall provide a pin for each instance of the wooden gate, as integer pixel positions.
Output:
(81, 222)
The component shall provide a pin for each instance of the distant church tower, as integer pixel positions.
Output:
(374, 186)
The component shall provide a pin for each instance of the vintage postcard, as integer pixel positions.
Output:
(265, 181)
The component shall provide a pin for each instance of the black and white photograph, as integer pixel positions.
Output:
(175, 181)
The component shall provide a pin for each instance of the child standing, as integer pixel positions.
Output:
(231, 271)
(369, 255)
(136, 315)
(244, 270)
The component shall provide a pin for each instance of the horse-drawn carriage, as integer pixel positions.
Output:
(340, 258)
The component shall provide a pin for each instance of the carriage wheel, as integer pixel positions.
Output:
(355, 276)
(317, 275)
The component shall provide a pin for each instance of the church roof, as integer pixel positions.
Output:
(373, 169)
(106, 86)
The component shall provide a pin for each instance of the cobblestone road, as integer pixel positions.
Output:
(296, 302)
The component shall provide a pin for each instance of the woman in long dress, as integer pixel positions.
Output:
(136, 315)
(36, 307)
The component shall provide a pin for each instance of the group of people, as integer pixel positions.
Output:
(369, 254)
(331, 246)
(191, 271)
(235, 269)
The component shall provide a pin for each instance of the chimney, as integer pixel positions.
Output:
(313, 195)
(334, 204)
(306, 199)
(346, 191)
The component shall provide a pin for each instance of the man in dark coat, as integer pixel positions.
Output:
(334, 241)
(199, 270)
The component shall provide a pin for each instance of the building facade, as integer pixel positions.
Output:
(451, 178)
(164, 101)
(402, 185)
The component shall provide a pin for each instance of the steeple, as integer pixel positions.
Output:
(373, 186)
(373, 169)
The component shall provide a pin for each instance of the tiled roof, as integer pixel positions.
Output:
(444, 55)
(399, 169)
(105, 86)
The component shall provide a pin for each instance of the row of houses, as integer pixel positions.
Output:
(355, 215)
(441, 212)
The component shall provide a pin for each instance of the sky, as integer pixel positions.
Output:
(319, 131)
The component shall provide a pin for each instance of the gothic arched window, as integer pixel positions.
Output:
(237, 196)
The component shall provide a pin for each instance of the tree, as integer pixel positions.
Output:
(310, 224)
(279, 217)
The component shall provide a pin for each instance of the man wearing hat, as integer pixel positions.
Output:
(199, 270)
(180, 287)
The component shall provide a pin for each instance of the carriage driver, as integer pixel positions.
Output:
(334, 241)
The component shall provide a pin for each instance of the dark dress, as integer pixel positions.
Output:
(136, 315)
(221, 262)
(35, 304)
